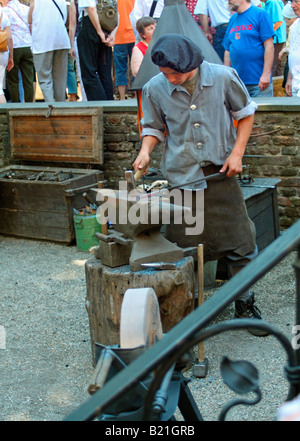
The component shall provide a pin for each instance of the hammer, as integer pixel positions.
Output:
(201, 367)
(104, 229)
(132, 178)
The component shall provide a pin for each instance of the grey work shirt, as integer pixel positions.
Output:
(199, 128)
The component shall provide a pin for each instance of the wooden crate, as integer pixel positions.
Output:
(43, 209)
(57, 134)
(262, 205)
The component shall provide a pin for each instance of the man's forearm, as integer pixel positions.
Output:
(204, 23)
(148, 144)
(72, 22)
(265, 79)
(227, 60)
(244, 129)
(268, 57)
(30, 12)
(93, 16)
(143, 158)
(233, 164)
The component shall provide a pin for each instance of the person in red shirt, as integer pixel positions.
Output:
(145, 27)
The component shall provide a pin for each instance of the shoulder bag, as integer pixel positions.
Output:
(3, 38)
(108, 14)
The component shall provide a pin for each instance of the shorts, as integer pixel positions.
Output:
(254, 90)
(122, 52)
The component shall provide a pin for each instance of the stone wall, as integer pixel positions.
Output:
(276, 140)
(274, 146)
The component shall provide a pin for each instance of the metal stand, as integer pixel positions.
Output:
(173, 392)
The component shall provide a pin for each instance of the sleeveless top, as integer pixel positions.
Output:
(142, 47)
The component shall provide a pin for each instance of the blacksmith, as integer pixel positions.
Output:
(191, 106)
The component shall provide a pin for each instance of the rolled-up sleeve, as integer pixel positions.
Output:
(153, 122)
(239, 101)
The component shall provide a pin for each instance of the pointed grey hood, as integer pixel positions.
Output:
(175, 19)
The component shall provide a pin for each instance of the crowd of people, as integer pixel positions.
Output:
(61, 45)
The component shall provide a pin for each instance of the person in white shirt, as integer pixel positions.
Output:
(6, 58)
(22, 55)
(219, 15)
(50, 46)
(293, 80)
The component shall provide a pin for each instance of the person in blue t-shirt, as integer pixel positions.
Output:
(249, 46)
(274, 9)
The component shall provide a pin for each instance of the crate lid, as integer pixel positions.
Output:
(56, 134)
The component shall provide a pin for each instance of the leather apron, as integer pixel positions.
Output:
(227, 226)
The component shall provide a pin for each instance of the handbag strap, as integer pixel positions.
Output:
(62, 16)
(153, 6)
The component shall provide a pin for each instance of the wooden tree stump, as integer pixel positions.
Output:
(106, 287)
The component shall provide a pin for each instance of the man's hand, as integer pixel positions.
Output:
(209, 37)
(233, 165)
(264, 81)
(10, 64)
(72, 52)
(109, 40)
(102, 36)
(142, 160)
(288, 85)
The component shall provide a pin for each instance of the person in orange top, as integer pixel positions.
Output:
(124, 43)
(145, 27)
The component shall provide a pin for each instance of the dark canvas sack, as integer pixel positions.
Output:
(108, 14)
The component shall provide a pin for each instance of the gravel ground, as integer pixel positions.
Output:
(46, 359)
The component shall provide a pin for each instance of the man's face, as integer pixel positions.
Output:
(296, 7)
(234, 5)
(176, 77)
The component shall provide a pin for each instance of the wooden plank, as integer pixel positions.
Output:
(35, 219)
(264, 222)
(67, 135)
(53, 204)
(57, 158)
(79, 125)
(27, 143)
(258, 204)
(26, 224)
